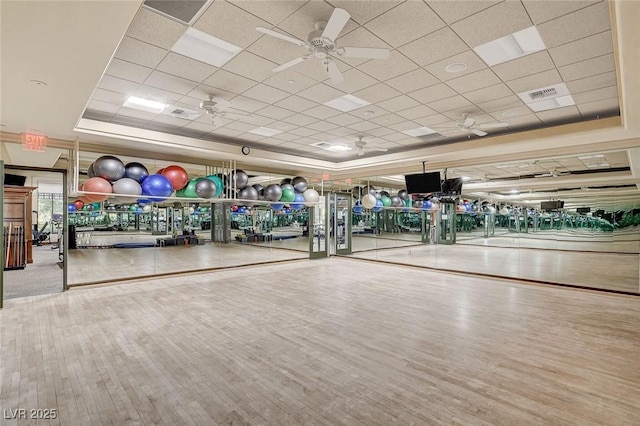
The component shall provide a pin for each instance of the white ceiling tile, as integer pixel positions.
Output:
(252, 137)
(458, 114)
(398, 103)
(474, 81)
(388, 119)
(360, 37)
(469, 58)
(596, 95)
(290, 81)
(296, 103)
(594, 109)
(385, 69)
(272, 11)
(363, 126)
(364, 11)
(275, 49)
(521, 67)
(405, 23)
(433, 93)
(256, 120)
(452, 11)
(109, 96)
(127, 70)
(488, 93)
(275, 112)
(237, 125)
(227, 131)
(396, 136)
(157, 94)
(536, 81)
(492, 23)
(168, 119)
(594, 82)
(368, 112)
(300, 119)
(321, 93)
(136, 113)
(322, 112)
(343, 119)
(588, 68)
(245, 104)
(585, 48)
(202, 92)
(451, 103)
(542, 11)
(404, 126)
(434, 47)
(195, 125)
(376, 93)
(301, 22)
(416, 112)
(96, 105)
(188, 102)
(412, 81)
(342, 132)
(156, 29)
(559, 115)
(354, 80)
(170, 82)
(139, 52)
(508, 113)
(251, 66)
(381, 131)
(119, 85)
(184, 67)
(511, 101)
(582, 23)
(322, 126)
(302, 131)
(287, 137)
(265, 93)
(229, 82)
(230, 23)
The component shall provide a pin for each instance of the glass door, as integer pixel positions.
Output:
(318, 220)
(342, 222)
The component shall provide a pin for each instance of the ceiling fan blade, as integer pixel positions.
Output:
(338, 20)
(291, 63)
(364, 52)
(281, 36)
(468, 122)
(334, 72)
(493, 125)
(478, 132)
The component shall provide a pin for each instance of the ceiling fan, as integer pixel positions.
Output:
(469, 125)
(362, 147)
(552, 173)
(321, 44)
(217, 108)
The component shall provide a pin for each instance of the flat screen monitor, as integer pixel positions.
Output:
(551, 205)
(423, 183)
(583, 210)
(15, 180)
(452, 187)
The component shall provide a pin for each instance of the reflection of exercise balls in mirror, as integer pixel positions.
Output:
(368, 201)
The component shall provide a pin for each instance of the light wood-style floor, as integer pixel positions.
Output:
(43, 276)
(332, 341)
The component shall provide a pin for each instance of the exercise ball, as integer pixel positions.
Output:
(188, 191)
(427, 205)
(157, 186)
(287, 186)
(298, 202)
(205, 188)
(218, 182)
(355, 192)
(403, 194)
(386, 201)
(177, 176)
(285, 181)
(396, 201)
(258, 187)
(240, 179)
(109, 167)
(146, 208)
(277, 206)
(248, 193)
(377, 195)
(288, 195)
(299, 184)
(241, 210)
(357, 207)
(367, 190)
(311, 196)
(417, 204)
(127, 186)
(88, 207)
(71, 207)
(136, 171)
(143, 201)
(368, 201)
(460, 208)
(133, 207)
(385, 194)
(96, 206)
(79, 204)
(97, 184)
(378, 207)
(273, 192)
(90, 172)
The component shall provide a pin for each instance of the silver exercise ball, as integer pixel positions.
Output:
(299, 184)
(127, 186)
(205, 188)
(109, 167)
(272, 192)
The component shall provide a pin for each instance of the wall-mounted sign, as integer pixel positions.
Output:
(33, 142)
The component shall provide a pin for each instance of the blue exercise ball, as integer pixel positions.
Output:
(71, 208)
(357, 207)
(427, 205)
(157, 186)
(378, 207)
(298, 202)
(277, 206)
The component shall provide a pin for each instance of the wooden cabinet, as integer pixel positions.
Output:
(18, 230)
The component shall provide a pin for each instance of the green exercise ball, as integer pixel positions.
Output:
(288, 195)
(189, 191)
(133, 207)
(386, 201)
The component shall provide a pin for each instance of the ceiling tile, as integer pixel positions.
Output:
(252, 137)
(290, 81)
(363, 126)
(536, 81)
(237, 125)
(322, 126)
(398, 103)
(415, 19)
(119, 85)
(301, 22)
(168, 119)
(109, 96)
(184, 67)
(245, 104)
(434, 47)
(155, 29)
(127, 70)
(230, 23)
(376, 93)
(388, 68)
(229, 82)
(302, 131)
(505, 114)
(272, 11)
(314, 69)
(492, 23)
(103, 106)
(488, 93)
(202, 92)
(458, 114)
(469, 58)
(205, 128)
(265, 93)
(320, 93)
(139, 52)
(451, 103)
(433, 93)
(354, 80)
(342, 132)
(129, 121)
(474, 81)
(452, 11)
(511, 101)
(381, 131)
(416, 112)
(412, 81)
(542, 11)
(322, 112)
(299, 119)
(403, 126)
(560, 115)
(275, 49)
(227, 131)
(170, 82)
(288, 137)
(343, 119)
(157, 94)
(98, 115)
(585, 48)
(596, 95)
(275, 112)
(388, 119)
(594, 82)
(599, 108)
(582, 23)
(521, 67)
(588, 68)
(368, 112)
(364, 11)
(360, 37)
(397, 135)
(255, 120)
(296, 103)
(251, 66)
(136, 113)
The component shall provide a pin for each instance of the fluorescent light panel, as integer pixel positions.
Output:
(205, 48)
(144, 104)
(546, 98)
(512, 46)
(547, 104)
(338, 148)
(420, 131)
(264, 131)
(347, 103)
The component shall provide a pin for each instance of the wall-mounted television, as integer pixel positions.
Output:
(15, 180)
(452, 187)
(423, 183)
(583, 210)
(551, 205)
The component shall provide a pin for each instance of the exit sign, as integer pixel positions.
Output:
(33, 142)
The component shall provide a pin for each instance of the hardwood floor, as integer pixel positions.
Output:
(332, 341)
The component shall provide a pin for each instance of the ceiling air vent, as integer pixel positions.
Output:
(545, 98)
(543, 94)
(180, 112)
(182, 10)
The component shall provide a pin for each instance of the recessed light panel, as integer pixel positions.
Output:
(264, 131)
(205, 48)
(347, 103)
(420, 131)
(144, 104)
(338, 148)
(512, 46)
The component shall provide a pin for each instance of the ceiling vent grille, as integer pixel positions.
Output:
(182, 10)
(184, 113)
(543, 94)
